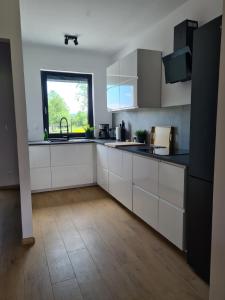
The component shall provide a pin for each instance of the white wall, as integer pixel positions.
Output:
(217, 288)
(37, 57)
(10, 29)
(160, 37)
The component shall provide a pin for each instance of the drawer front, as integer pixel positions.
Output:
(145, 174)
(121, 190)
(171, 184)
(115, 159)
(64, 176)
(39, 156)
(102, 178)
(40, 178)
(145, 205)
(70, 155)
(102, 156)
(171, 223)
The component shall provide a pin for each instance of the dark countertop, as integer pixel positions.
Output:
(71, 141)
(180, 159)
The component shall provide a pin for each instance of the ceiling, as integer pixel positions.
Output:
(102, 25)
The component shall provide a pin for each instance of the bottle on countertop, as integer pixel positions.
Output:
(123, 132)
(46, 135)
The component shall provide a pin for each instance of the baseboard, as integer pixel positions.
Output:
(10, 187)
(28, 241)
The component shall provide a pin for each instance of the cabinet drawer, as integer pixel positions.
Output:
(145, 205)
(64, 176)
(121, 190)
(68, 155)
(39, 156)
(171, 184)
(145, 174)
(102, 156)
(115, 159)
(40, 178)
(171, 223)
(102, 178)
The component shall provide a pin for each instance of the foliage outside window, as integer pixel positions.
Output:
(70, 96)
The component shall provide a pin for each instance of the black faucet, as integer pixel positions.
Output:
(67, 128)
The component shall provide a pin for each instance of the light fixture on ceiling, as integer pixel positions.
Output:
(69, 37)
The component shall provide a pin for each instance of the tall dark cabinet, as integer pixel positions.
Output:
(205, 78)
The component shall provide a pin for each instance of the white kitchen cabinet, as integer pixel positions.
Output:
(128, 66)
(121, 189)
(40, 178)
(146, 173)
(171, 183)
(74, 175)
(138, 84)
(145, 205)
(102, 166)
(120, 176)
(39, 156)
(171, 223)
(40, 171)
(67, 155)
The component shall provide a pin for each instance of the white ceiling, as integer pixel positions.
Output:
(102, 25)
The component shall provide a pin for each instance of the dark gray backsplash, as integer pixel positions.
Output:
(178, 117)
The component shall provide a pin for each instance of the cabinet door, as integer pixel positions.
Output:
(171, 223)
(121, 190)
(40, 178)
(145, 174)
(115, 160)
(145, 205)
(113, 97)
(69, 155)
(128, 94)
(102, 156)
(171, 184)
(66, 176)
(102, 178)
(114, 69)
(39, 156)
(128, 66)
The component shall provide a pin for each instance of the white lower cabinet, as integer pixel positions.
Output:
(171, 223)
(102, 166)
(121, 189)
(120, 176)
(40, 178)
(145, 205)
(69, 176)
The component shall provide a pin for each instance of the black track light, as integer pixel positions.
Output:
(75, 41)
(71, 37)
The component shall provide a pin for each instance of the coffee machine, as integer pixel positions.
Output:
(104, 131)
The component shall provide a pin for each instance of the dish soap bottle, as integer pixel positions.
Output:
(45, 135)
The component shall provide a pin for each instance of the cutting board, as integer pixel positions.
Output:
(162, 136)
(120, 144)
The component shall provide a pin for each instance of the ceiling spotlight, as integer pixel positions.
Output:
(75, 41)
(69, 37)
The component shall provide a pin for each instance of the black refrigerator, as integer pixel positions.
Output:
(205, 78)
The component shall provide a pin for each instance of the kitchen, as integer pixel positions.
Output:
(150, 189)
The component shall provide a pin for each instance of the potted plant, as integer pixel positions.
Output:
(89, 132)
(141, 136)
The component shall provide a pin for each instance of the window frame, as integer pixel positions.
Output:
(64, 76)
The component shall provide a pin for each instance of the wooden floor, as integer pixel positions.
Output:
(89, 247)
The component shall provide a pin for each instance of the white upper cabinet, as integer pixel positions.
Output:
(128, 66)
(135, 81)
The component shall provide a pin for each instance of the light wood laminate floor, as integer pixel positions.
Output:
(88, 247)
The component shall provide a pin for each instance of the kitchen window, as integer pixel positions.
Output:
(66, 95)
